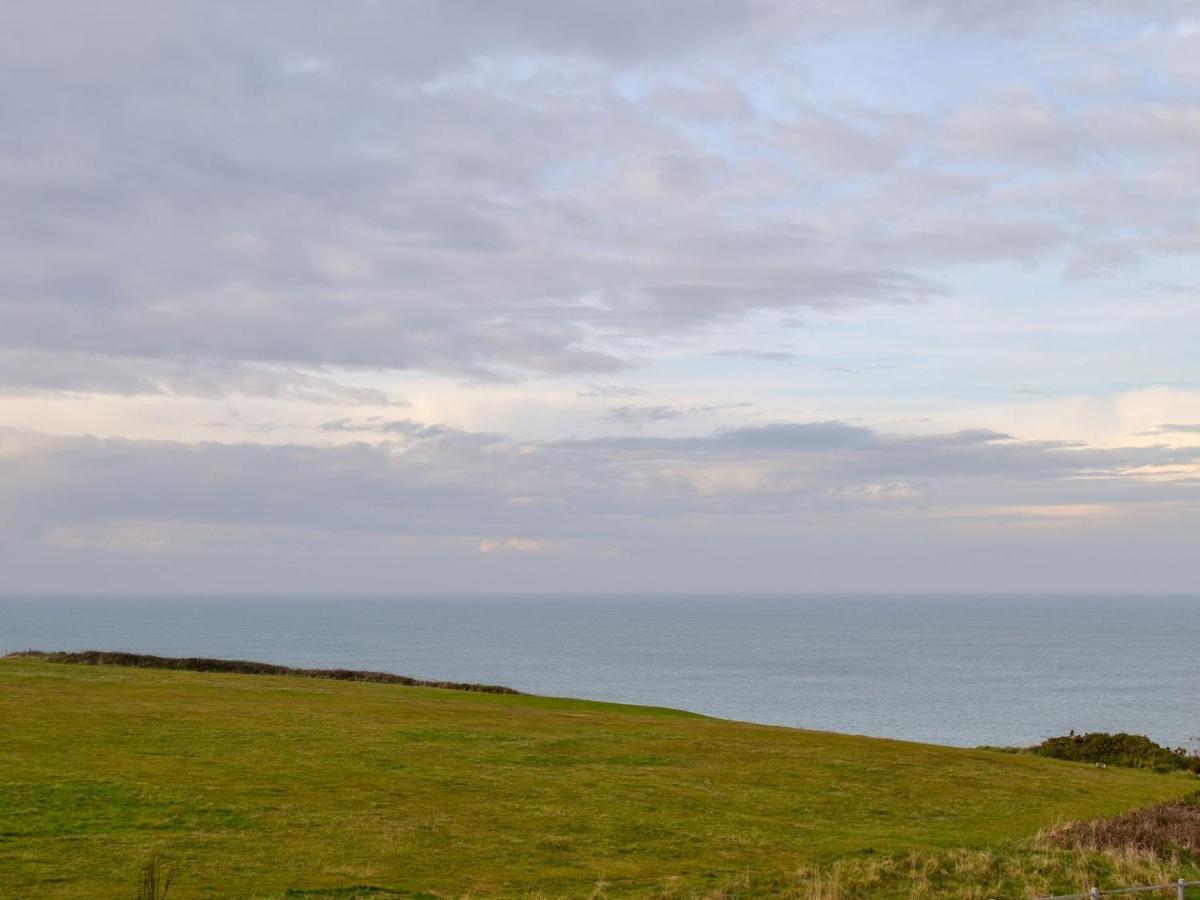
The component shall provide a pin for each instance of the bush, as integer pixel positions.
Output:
(1135, 751)
(243, 667)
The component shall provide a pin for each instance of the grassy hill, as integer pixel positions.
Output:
(272, 786)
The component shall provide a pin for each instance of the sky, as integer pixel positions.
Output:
(640, 295)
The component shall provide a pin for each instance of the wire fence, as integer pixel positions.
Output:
(1179, 887)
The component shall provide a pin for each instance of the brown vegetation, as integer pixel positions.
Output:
(1167, 830)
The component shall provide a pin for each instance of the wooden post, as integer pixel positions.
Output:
(1182, 890)
(1095, 893)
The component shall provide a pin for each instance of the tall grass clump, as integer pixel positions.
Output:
(155, 880)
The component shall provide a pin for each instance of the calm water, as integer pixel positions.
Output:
(952, 670)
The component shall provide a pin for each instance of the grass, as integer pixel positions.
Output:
(276, 786)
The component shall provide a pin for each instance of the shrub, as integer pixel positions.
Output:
(1134, 751)
(244, 667)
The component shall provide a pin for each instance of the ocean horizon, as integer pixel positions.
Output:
(961, 670)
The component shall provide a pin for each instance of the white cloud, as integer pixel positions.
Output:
(519, 545)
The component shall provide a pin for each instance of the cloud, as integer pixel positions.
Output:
(759, 355)
(518, 545)
(874, 492)
(1020, 129)
(830, 144)
(40, 372)
(644, 415)
(562, 222)
(163, 537)
(380, 425)
(1066, 511)
(239, 511)
(472, 189)
(449, 482)
(608, 391)
(640, 415)
(124, 536)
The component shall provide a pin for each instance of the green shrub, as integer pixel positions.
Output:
(1135, 751)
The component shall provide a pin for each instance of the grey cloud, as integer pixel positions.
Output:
(378, 425)
(687, 173)
(360, 515)
(717, 100)
(39, 372)
(1020, 130)
(1028, 15)
(831, 144)
(805, 437)
(975, 241)
(440, 481)
(219, 199)
(608, 390)
(640, 415)
(468, 188)
(759, 355)
(1178, 428)
(644, 415)
(1102, 259)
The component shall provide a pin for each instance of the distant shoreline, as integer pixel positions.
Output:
(244, 667)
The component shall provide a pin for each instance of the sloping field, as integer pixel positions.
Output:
(268, 786)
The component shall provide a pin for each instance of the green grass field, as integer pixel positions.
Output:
(266, 786)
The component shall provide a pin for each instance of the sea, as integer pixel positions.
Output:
(960, 670)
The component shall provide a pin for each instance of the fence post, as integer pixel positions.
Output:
(1182, 890)
(1095, 893)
